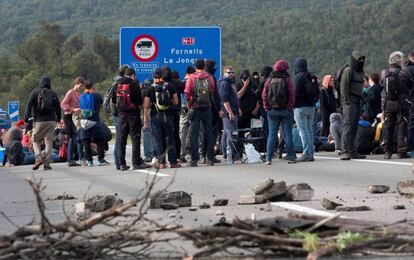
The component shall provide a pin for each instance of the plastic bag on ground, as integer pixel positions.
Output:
(253, 156)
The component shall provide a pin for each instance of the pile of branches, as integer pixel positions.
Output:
(113, 233)
(301, 235)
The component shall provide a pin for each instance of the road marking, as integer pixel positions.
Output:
(153, 173)
(303, 209)
(366, 160)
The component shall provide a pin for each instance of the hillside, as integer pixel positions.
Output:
(255, 33)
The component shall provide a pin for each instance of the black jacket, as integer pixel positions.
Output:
(135, 94)
(374, 100)
(407, 81)
(327, 100)
(32, 104)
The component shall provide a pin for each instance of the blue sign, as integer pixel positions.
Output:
(147, 48)
(13, 109)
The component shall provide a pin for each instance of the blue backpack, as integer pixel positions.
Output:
(87, 105)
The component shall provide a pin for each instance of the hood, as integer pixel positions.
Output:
(397, 58)
(355, 64)
(265, 71)
(200, 75)
(335, 117)
(301, 65)
(281, 66)
(45, 82)
(211, 66)
(326, 80)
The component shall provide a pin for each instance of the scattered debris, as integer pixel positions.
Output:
(221, 202)
(406, 188)
(219, 213)
(63, 197)
(99, 203)
(171, 215)
(398, 207)
(204, 206)
(181, 198)
(357, 208)
(252, 199)
(193, 209)
(300, 191)
(222, 220)
(169, 206)
(262, 186)
(329, 204)
(378, 188)
(278, 188)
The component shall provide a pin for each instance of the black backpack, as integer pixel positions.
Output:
(45, 101)
(392, 85)
(277, 96)
(311, 88)
(162, 97)
(15, 153)
(107, 103)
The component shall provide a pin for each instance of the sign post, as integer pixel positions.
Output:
(13, 110)
(147, 48)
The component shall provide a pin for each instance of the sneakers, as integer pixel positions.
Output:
(103, 162)
(37, 165)
(124, 168)
(338, 152)
(358, 156)
(268, 163)
(175, 165)
(141, 166)
(47, 167)
(305, 159)
(183, 160)
(203, 160)
(147, 159)
(154, 161)
(345, 157)
(210, 163)
(403, 156)
(90, 163)
(193, 164)
(290, 158)
(215, 160)
(73, 164)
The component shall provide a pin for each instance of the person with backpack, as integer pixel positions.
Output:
(395, 107)
(70, 107)
(45, 105)
(407, 83)
(306, 96)
(278, 100)
(149, 150)
(351, 87)
(128, 99)
(327, 103)
(158, 101)
(231, 111)
(109, 109)
(198, 90)
(92, 128)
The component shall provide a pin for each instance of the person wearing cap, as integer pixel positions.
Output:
(395, 107)
(13, 135)
(352, 85)
(45, 105)
(159, 99)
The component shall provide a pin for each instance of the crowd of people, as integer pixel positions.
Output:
(192, 120)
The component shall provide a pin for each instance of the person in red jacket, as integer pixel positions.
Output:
(198, 92)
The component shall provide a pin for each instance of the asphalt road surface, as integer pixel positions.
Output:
(343, 181)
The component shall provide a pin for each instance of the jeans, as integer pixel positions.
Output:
(148, 151)
(228, 138)
(162, 128)
(304, 120)
(100, 144)
(351, 114)
(116, 156)
(275, 118)
(201, 115)
(184, 132)
(71, 134)
(335, 130)
(130, 125)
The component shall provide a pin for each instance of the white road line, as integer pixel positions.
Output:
(153, 173)
(366, 160)
(303, 209)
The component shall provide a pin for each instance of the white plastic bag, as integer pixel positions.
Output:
(253, 156)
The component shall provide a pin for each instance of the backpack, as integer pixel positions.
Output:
(123, 98)
(311, 88)
(107, 103)
(45, 101)
(202, 93)
(277, 96)
(162, 97)
(15, 153)
(87, 105)
(338, 78)
(391, 84)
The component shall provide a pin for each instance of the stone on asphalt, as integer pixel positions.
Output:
(406, 188)
(358, 208)
(251, 199)
(169, 206)
(329, 204)
(262, 186)
(171, 215)
(398, 207)
(278, 188)
(204, 206)
(219, 213)
(378, 188)
(300, 192)
(99, 203)
(221, 202)
(192, 209)
(181, 198)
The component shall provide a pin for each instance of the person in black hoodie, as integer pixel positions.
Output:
(374, 97)
(407, 83)
(328, 103)
(45, 105)
(128, 100)
(249, 102)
